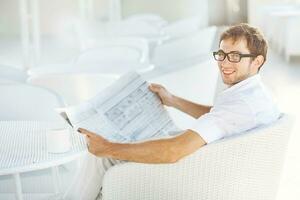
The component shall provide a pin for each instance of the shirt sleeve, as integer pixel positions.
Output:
(207, 128)
(225, 120)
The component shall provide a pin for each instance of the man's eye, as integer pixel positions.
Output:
(234, 55)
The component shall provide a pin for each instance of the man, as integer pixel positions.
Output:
(245, 105)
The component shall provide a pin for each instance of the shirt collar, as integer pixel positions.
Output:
(248, 80)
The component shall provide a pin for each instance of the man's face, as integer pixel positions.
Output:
(233, 73)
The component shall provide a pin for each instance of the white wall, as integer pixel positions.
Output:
(236, 11)
(217, 12)
(169, 9)
(9, 16)
(57, 15)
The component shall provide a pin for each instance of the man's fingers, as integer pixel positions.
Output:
(155, 87)
(85, 132)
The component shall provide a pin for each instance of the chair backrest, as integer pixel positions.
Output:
(150, 18)
(133, 29)
(126, 45)
(184, 50)
(113, 55)
(182, 27)
(126, 28)
(73, 87)
(26, 102)
(50, 69)
(11, 73)
(96, 55)
(242, 167)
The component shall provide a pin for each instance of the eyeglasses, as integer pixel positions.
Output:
(234, 57)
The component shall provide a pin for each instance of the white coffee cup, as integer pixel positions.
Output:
(58, 140)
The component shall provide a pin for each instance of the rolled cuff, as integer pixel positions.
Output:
(207, 128)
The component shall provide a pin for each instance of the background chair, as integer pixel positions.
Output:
(183, 27)
(133, 43)
(151, 18)
(26, 102)
(242, 167)
(73, 87)
(97, 55)
(114, 55)
(126, 28)
(109, 55)
(12, 74)
(115, 60)
(185, 51)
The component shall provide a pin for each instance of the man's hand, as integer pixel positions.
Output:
(97, 145)
(167, 150)
(166, 97)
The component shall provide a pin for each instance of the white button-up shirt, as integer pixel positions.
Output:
(243, 106)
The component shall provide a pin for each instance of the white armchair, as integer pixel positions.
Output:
(242, 167)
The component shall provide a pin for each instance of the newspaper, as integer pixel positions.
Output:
(126, 111)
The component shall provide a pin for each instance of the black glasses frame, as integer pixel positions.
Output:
(228, 57)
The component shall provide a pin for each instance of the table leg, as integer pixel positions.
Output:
(18, 186)
(56, 180)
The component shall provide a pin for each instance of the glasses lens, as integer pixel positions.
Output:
(219, 55)
(234, 57)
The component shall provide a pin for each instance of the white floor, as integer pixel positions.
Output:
(283, 79)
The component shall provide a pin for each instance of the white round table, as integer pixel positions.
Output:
(23, 148)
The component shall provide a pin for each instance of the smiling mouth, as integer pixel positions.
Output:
(227, 72)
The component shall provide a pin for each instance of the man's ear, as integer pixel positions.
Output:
(258, 61)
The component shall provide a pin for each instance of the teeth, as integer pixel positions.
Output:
(227, 71)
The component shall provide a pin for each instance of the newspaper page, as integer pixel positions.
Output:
(126, 111)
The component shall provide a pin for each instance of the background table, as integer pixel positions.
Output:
(23, 148)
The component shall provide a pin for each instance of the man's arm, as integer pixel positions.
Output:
(168, 150)
(193, 109)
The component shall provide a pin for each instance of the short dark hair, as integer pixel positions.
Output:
(256, 42)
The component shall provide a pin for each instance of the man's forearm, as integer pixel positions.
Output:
(193, 109)
(157, 151)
